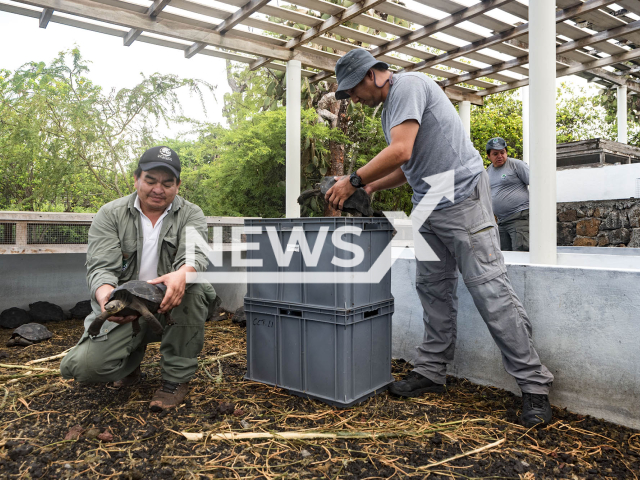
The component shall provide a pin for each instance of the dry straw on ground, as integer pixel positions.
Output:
(231, 428)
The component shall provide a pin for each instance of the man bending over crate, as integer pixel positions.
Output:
(426, 137)
(143, 237)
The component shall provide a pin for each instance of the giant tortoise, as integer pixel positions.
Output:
(28, 334)
(136, 297)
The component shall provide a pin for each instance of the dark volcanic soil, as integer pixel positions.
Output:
(120, 438)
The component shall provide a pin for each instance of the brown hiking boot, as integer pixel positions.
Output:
(170, 395)
(133, 378)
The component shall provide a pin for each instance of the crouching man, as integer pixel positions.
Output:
(143, 237)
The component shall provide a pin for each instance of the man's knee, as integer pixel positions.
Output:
(194, 308)
(437, 287)
(87, 364)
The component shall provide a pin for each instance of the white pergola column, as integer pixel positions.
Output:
(464, 110)
(524, 96)
(621, 97)
(293, 138)
(542, 132)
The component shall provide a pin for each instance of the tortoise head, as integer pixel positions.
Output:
(114, 306)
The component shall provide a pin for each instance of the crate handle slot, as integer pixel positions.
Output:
(374, 226)
(289, 228)
(371, 313)
(291, 313)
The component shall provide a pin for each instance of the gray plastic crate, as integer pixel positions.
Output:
(376, 235)
(340, 357)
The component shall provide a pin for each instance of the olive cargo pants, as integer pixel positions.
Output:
(465, 236)
(116, 354)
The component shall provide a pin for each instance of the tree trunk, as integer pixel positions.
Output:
(336, 167)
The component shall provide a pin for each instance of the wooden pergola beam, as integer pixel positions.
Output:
(562, 48)
(563, 72)
(228, 23)
(458, 96)
(45, 16)
(183, 31)
(435, 27)
(447, 22)
(561, 16)
(156, 7)
(335, 20)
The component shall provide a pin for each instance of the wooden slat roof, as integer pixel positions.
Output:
(472, 47)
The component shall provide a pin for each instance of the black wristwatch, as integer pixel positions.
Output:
(355, 180)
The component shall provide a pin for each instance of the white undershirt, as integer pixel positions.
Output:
(150, 236)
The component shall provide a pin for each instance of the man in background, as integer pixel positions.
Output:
(509, 179)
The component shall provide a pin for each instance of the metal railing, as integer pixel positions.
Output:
(43, 232)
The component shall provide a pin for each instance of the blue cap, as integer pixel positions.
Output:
(496, 144)
(352, 68)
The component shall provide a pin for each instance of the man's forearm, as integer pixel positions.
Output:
(386, 163)
(393, 180)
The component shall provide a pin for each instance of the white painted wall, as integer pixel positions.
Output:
(608, 182)
(585, 328)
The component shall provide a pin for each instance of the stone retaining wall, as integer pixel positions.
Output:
(603, 223)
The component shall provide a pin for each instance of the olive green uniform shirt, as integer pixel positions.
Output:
(115, 244)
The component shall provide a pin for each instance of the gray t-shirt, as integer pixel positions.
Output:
(441, 144)
(509, 192)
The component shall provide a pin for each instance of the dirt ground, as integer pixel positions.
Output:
(112, 434)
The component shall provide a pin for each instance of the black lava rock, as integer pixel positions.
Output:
(14, 317)
(217, 313)
(239, 317)
(81, 310)
(226, 408)
(43, 312)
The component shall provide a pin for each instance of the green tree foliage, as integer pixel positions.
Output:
(500, 116)
(67, 145)
(607, 99)
(580, 115)
(246, 174)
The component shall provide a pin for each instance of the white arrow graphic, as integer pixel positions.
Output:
(441, 185)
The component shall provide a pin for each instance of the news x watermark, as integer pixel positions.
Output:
(343, 270)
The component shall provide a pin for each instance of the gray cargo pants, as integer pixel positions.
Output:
(514, 232)
(465, 236)
(116, 354)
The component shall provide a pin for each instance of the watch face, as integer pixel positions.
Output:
(355, 181)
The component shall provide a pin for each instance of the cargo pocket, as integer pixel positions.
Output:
(482, 244)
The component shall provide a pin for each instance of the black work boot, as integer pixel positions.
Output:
(415, 385)
(536, 409)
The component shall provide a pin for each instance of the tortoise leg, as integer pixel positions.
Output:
(96, 325)
(170, 320)
(135, 325)
(148, 316)
(19, 342)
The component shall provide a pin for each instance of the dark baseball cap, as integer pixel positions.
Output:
(496, 144)
(352, 68)
(160, 157)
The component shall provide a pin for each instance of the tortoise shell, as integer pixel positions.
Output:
(359, 203)
(142, 289)
(33, 332)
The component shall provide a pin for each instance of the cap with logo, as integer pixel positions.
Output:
(352, 68)
(496, 144)
(160, 157)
